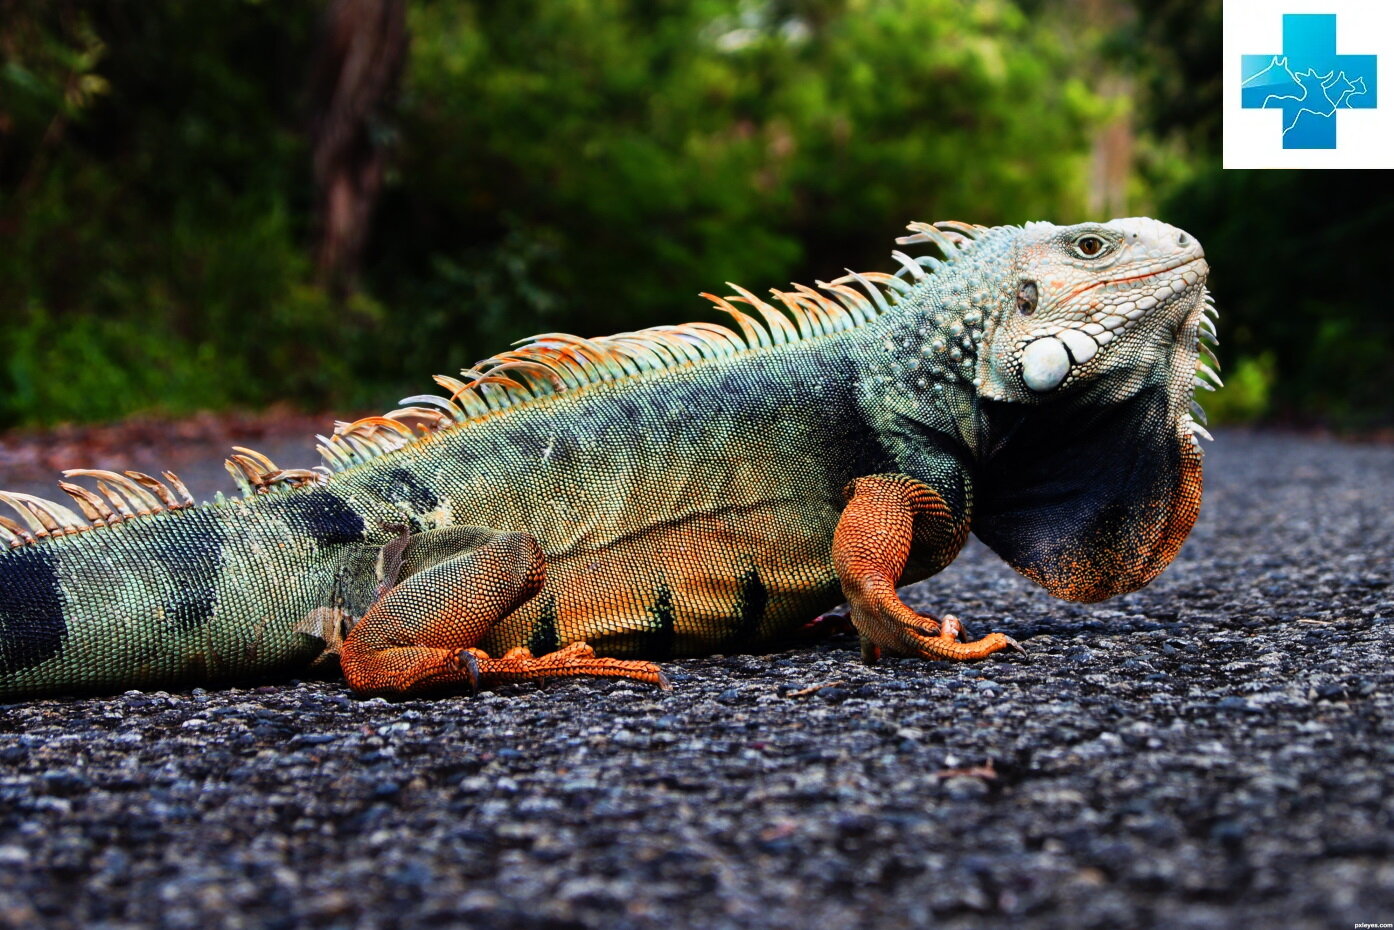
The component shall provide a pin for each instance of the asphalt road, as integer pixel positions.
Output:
(1213, 751)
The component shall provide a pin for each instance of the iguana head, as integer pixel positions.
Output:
(1086, 372)
(1091, 302)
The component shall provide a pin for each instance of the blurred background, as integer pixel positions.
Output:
(233, 204)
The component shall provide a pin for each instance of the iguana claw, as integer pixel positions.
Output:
(469, 665)
(954, 628)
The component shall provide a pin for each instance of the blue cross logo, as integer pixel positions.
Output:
(1309, 82)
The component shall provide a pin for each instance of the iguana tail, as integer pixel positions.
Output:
(148, 589)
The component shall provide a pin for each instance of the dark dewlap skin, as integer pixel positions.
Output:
(690, 508)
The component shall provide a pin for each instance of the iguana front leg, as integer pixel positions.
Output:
(885, 516)
(455, 584)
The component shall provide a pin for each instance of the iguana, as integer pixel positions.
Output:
(582, 506)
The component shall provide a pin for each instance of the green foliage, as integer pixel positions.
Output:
(570, 164)
(594, 164)
(590, 165)
(1297, 259)
(154, 197)
(1296, 256)
(1246, 394)
(1171, 48)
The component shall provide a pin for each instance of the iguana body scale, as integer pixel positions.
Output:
(676, 492)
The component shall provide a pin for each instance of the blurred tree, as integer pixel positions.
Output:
(362, 48)
(568, 164)
(50, 76)
(1174, 48)
(1295, 254)
(154, 259)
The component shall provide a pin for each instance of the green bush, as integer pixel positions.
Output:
(592, 164)
(1247, 393)
(154, 214)
(1296, 266)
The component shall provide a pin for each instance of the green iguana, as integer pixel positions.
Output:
(576, 506)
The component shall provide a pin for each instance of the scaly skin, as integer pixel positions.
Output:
(578, 506)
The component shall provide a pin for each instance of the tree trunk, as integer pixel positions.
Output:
(353, 87)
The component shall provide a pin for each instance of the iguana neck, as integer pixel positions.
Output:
(918, 367)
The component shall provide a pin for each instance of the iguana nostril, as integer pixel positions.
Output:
(1182, 239)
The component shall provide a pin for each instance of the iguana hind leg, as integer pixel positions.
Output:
(455, 584)
(884, 517)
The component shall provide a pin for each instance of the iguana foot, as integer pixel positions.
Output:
(938, 639)
(885, 516)
(575, 659)
(413, 670)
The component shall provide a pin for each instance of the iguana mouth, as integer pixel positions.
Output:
(1052, 352)
(1153, 274)
(1137, 277)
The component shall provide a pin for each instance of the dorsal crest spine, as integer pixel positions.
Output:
(545, 365)
(555, 363)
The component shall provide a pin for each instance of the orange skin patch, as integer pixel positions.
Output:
(607, 598)
(449, 625)
(418, 638)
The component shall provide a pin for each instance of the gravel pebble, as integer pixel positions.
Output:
(1212, 751)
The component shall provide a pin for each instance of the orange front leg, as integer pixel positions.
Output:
(884, 517)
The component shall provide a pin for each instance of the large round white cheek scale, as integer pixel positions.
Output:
(1044, 364)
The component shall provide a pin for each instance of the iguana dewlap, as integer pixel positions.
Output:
(577, 506)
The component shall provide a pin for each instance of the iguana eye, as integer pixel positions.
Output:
(1026, 297)
(1090, 246)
